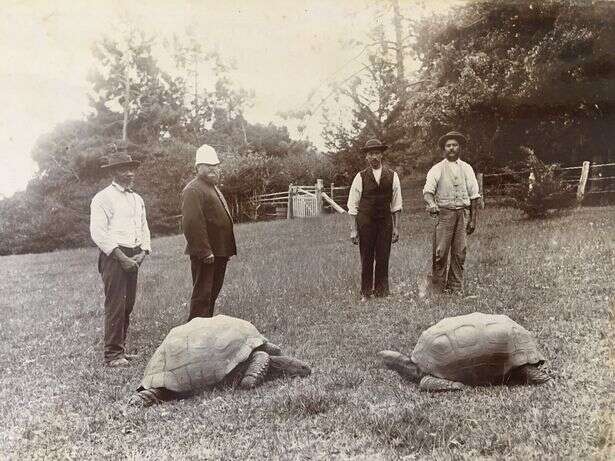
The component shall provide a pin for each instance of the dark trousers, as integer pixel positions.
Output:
(375, 248)
(207, 280)
(449, 244)
(120, 294)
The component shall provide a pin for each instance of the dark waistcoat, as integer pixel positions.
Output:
(376, 198)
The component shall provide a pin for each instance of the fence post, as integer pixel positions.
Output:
(332, 192)
(289, 206)
(582, 181)
(481, 200)
(319, 187)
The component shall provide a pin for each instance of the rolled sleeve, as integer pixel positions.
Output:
(396, 200)
(354, 196)
(431, 182)
(472, 183)
(99, 227)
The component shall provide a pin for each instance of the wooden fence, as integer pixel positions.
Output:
(495, 189)
(589, 180)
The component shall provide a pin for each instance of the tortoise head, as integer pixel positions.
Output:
(402, 364)
(283, 365)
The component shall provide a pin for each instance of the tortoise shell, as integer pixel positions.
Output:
(201, 353)
(475, 348)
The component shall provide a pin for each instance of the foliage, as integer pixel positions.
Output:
(375, 99)
(522, 72)
(169, 116)
(545, 191)
(507, 73)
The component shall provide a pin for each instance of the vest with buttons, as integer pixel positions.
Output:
(376, 198)
(452, 191)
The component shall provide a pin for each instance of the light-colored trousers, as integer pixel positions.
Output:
(449, 240)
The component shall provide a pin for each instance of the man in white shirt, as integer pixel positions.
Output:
(118, 226)
(451, 189)
(375, 203)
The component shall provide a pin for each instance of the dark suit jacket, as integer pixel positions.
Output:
(206, 221)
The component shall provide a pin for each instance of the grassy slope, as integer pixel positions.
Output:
(297, 283)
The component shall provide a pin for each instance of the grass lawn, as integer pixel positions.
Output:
(298, 283)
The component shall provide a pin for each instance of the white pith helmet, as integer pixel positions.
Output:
(207, 155)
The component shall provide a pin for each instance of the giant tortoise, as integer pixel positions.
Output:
(470, 349)
(208, 351)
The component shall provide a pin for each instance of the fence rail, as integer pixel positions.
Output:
(308, 200)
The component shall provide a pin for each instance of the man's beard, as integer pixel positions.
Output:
(452, 156)
(375, 164)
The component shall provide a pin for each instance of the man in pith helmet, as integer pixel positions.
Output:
(375, 204)
(452, 196)
(208, 227)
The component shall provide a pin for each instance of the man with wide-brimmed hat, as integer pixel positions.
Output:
(118, 226)
(451, 193)
(375, 203)
(208, 227)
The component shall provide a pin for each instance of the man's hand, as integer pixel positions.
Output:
(138, 258)
(209, 259)
(433, 210)
(471, 226)
(127, 264)
(395, 236)
(354, 237)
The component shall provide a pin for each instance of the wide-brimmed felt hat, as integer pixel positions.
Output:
(374, 144)
(460, 138)
(119, 160)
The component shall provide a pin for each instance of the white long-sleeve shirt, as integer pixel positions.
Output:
(356, 189)
(117, 218)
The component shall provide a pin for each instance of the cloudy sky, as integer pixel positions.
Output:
(283, 50)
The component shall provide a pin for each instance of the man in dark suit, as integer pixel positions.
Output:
(375, 204)
(208, 228)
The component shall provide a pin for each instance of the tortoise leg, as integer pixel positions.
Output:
(400, 363)
(283, 365)
(271, 349)
(433, 384)
(532, 374)
(148, 397)
(258, 365)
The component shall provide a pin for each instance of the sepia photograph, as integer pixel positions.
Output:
(307, 230)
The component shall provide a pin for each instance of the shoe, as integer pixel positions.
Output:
(364, 298)
(131, 356)
(118, 363)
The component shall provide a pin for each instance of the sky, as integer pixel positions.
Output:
(283, 50)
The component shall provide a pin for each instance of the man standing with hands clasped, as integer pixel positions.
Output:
(375, 203)
(208, 228)
(118, 226)
(451, 189)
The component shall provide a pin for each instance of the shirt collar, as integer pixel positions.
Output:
(377, 169)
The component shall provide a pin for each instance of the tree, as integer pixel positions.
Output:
(161, 120)
(376, 97)
(509, 73)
